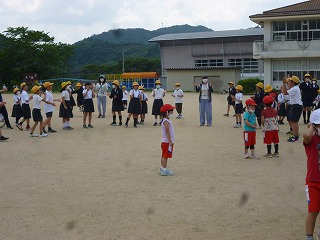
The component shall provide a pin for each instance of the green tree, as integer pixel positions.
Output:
(26, 51)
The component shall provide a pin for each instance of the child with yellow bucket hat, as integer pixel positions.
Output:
(48, 108)
(17, 109)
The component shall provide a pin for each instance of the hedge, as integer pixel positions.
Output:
(249, 85)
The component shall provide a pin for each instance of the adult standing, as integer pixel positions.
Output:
(307, 97)
(291, 88)
(232, 93)
(102, 89)
(205, 101)
(3, 109)
(258, 98)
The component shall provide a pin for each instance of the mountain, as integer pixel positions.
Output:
(104, 48)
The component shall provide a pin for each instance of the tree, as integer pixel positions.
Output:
(25, 51)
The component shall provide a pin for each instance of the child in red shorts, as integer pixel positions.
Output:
(270, 127)
(311, 142)
(250, 125)
(167, 139)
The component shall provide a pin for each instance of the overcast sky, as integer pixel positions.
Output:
(70, 21)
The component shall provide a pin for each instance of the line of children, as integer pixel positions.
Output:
(238, 105)
(117, 106)
(144, 105)
(134, 104)
(17, 109)
(178, 95)
(158, 93)
(48, 108)
(88, 107)
(65, 111)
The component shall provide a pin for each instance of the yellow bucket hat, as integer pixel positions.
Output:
(268, 88)
(135, 84)
(116, 82)
(239, 87)
(22, 85)
(259, 85)
(15, 90)
(35, 89)
(47, 84)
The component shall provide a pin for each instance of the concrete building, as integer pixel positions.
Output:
(223, 56)
(291, 43)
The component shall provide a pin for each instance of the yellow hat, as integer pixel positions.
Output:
(259, 85)
(78, 85)
(158, 82)
(22, 85)
(319, 91)
(116, 82)
(314, 79)
(124, 87)
(15, 90)
(177, 84)
(307, 75)
(295, 79)
(34, 89)
(231, 83)
(69, 83)
(47, 84)
(63, 84)
(239, 87)
(268, 88)
(135, 84)
(141, 88)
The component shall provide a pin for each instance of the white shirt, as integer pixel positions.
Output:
(281, 98)
(37, 101)
(158, 93)
(24, 97)
(178, 93)
(144, 96)
(48, 107)
(16, 99)
(295, 95)
(135, 93)
(164, 133)
(238, 97)
(125, 95)
(101, 89)
(89, 94)
(66, 95)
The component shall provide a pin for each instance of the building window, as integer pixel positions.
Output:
(305, 30)
(248, 65)
(209, 63)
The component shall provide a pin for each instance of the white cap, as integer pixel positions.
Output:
(315, 117)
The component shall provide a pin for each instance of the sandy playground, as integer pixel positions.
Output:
(103, 183)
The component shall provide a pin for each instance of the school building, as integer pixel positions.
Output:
(291, 41)
(223, 56)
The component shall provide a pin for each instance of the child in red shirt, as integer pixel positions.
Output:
(270, 127)
(311, 142)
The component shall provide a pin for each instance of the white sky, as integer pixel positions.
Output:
(70, 21)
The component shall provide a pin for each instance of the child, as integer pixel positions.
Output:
(71, 91)
(238, 105)
(48, 108)
(317, 101)
(134, 104)
(65, 111)
(311, 142)
(79, 89)
(144, 105)
(25, 100)
(232, 92)
(158, 93)
(282, 112)
(125, 97)
(117, 106)
(249, 128)
(167, 139)
(88, 107)
(178, 95)
(36, 112)
(2, 138)
(270, 127)
(17, 110)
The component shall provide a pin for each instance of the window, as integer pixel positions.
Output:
(209, 63)
(248, 65)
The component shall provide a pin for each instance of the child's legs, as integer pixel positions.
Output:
(41, 127)
(17, 120)
(28, 121)
(85, 118)
(47, 122)
(310, 222)
(99, 102)
(246, 149)
(64, 120)
(34, 126)
(155, 117)
(252, 150)
(164, 162)
(90, 117)
(119, 113)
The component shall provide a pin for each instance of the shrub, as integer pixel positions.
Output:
(249, 85)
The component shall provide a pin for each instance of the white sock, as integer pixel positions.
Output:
(68, 124)
(64, 124)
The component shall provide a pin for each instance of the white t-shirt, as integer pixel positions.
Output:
(48, 107)
(295, 95)
(125, 95)
(238, 98)
(89, 94)
(66, 95)
(158, 93)
(178, 93)
(24, 97)
(144, 96)
(164, 133)
(37, 101)
(135, 93)
(16, 99)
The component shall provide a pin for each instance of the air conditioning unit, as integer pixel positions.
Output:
(280, 38)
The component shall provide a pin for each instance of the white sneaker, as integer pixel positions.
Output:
(33, 135)
(246, 156)
(43, 135)
(237, 126)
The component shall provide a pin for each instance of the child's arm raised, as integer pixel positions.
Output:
(307, 136)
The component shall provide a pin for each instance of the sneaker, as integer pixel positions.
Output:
(166, 172)
(126, 124)
(289, 133)
(201, 125)
(141, 122)
(113, 124)
(254, 157)
(43, 135)
(70, 128)
(155, 124)
(19, 126)
(51, 130)
(33, 135)
(237, 126)
(246, 156)
(103, 116)
(226, 115)
(65, 128)
(90, 126)
(44, 131)
(99, 116)
(120, 123)
(2, 138)
(293, 139)
(84, 126)
(9, 127)
(268, 155)
(276, 155)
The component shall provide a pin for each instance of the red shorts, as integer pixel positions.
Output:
(313, 196)
(271, 137)
(249, 138)
(165, 150)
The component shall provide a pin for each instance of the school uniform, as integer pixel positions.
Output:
(16, 109)
(65, 113)
(48, 108)
(158, 102)
(26, 111)
(282, 112)
(178, 100)
(125, 97)
(79, 97)
(238, 103)
(295, 107)
(88, 102)
(36, 111)
(144, 105)
(117, 105)
(306, 94)
(72, 101)
(232, 92)
(134, 104)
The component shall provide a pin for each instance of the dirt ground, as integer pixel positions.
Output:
(104, 183)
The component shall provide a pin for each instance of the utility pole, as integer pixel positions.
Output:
(122, 44)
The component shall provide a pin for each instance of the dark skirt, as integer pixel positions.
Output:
(134, 106)
(72, 101)
(144, 107)
(88, 105)
(65, 113)
(157, 104)
(26, 111)
(36, 115)
(16, 111)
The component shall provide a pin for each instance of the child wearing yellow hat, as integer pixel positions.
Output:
(124, 97)
(78, 91)
(178, 95)
(117, 106)
(158, 93)
(16, 109)
(134, 104)
(238, 105)
(65, 111)
(144, 105)
(25, 101)
(48, 108)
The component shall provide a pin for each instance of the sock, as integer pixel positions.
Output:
(308, 115)
(304, 115)
(65, 124)
(114, 118)
(127, 120)
(276, 148)
(68, 124)
(269, 148)
(120, 119)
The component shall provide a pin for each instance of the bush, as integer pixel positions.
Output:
(249, 85)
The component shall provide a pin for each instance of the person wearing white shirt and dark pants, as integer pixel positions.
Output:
(158, 93)
(178, 95)
(48, 108)
(88, 107)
